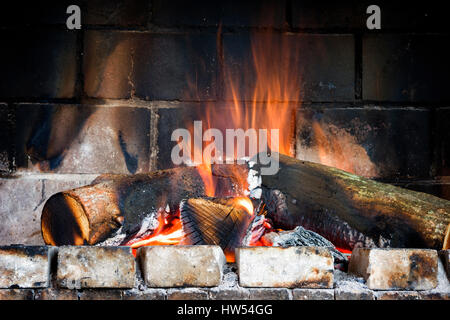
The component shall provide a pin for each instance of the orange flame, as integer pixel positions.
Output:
(168, 232)
(245, 203)
(273, 82)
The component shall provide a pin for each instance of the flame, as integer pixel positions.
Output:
(168, 232)
(245, 203)
(273, 80)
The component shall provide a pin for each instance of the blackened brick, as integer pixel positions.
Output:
(169, 119)
(35, 13)
(101, 294)
(321, 66)
(313, 294)
(413, 16)
(150, 66)
(38, 63)
(234, 13)
(147, 294)
(187, 294)
(82, 139)
(438, 187)
(313, 14)
(395, 15)
(269, 294)
(185, 13)
(253, 13)
(405, 67)
(396, 295)
(5, 139)
(372, 142)
(55, 294)
(232, 293)
(16, 294)
(442, 141)
(117, 13)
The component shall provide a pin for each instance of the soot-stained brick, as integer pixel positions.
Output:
(150, 66)
(38, 63)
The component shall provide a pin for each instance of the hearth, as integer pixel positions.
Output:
(245, 150)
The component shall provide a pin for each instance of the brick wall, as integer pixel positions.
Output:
(74, 104)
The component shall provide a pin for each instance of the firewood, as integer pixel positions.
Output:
(214, 221)
(90, 214)
(354, 211)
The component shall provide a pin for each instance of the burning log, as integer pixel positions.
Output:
(353, 211)
(90, 214)
(216, 221)
(347, 210)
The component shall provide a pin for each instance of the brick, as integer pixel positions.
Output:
(170, 117)
(187, 294)
(24, 266)
(20, 211)
(82, 138)
(305, 267)
(230, 13)
(5, 138)
(269, 294)
(101, 294)
(38, 63)
(390, 269)
(56, 294)
(149, 65)
(445, 257)
(433, 295)
(325, 15)
(439, 187)
(328, 75)
(387, 143)
(253, 13)
(313, 294)
(442, 142)
(353, 292)
(117, 13)
(44, 12)
(442, 290)
(182, 266)
(232, 293)
(405, 68)
(147, 294)
(311, 14)
(182, 13)
(16, 294)
(95, 267)
(396, 295)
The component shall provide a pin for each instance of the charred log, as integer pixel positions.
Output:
(90, 214)
(354, 211)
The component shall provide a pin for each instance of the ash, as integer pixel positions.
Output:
(301, 237)
(148, 225)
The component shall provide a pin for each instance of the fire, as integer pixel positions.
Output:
(168, 232)
(262, 93)
(245, 203)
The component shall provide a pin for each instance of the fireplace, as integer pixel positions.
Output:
(230, 150)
